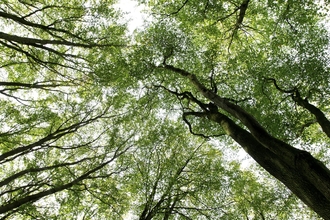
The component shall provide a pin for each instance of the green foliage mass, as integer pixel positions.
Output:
(91, 122)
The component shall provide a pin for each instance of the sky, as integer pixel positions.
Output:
(134, 14)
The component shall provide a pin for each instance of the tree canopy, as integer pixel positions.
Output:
(211, 110)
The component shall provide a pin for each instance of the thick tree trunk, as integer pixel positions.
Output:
(305, 176)
(294, 178)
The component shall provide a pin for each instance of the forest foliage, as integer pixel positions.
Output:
(211, 110)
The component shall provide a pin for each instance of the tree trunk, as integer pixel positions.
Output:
(307, 177)
(296, 179)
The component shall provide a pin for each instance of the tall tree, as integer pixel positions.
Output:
(98, 124)
(51, 163)
(253, 69)
(173, 177)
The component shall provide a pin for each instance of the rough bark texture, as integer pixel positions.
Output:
(294, 178)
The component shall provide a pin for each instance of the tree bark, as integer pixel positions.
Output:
(293, 178)
(319, 115)
(307, 177)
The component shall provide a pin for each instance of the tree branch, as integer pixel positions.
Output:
(319, 115)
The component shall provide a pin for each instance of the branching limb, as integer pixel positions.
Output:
(179, 9)
(303, 102)
(242, 12)
(174, 12)
(38, 42)
(51, 30)
(185, 95)
(239, 22)
(227, 16)
(200, 115)
(280, 89)
(207, 109)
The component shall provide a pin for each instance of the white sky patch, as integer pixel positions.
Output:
(133, 14)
